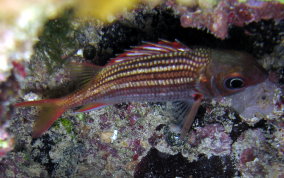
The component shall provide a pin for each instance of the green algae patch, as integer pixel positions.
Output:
(56, 41)
(80, 116)
(4, 144)
(65, 123)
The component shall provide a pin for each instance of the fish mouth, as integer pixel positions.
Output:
(262, 76)
(262, 73)
(265, 77)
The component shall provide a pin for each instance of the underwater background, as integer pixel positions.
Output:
(236, 136)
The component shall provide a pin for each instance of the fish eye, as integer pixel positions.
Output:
(89, 52)
(234, 83)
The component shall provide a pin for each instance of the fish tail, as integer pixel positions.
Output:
(50, 111)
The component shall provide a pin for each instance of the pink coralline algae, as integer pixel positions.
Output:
(19, 69)
(246, 156)
(136, 147)
(229, 12)
(255, 155)
(212, 140)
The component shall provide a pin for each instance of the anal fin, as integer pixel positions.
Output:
(91, 106)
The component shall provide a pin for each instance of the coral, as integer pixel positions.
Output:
(16, 166)
(20, 26)
(107, 11)
(213, 140)
(218, 16)
(255, 155)
(56, 33)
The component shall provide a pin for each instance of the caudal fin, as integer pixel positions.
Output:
(50, 111)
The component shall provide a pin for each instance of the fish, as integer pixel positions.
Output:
(155, 72)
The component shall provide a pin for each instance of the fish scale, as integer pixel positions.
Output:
(179, 69)
(163, 71)
(139, 64)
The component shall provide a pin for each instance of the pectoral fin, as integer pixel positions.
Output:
(180, 110)
(189, 118)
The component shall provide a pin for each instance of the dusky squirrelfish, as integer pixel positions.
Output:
(165, 71)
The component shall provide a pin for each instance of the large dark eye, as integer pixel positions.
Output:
(234, 83)
(89, 52)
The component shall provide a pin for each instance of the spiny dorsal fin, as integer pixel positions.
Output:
(147, 49)
(83, 72)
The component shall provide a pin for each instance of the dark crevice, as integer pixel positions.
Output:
(43, 154)
(157, 164)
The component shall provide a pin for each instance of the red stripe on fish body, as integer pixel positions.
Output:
(159, 77)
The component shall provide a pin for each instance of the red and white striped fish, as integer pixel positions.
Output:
(166, 71)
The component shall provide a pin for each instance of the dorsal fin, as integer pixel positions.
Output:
(83, 72)
(147, 49)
